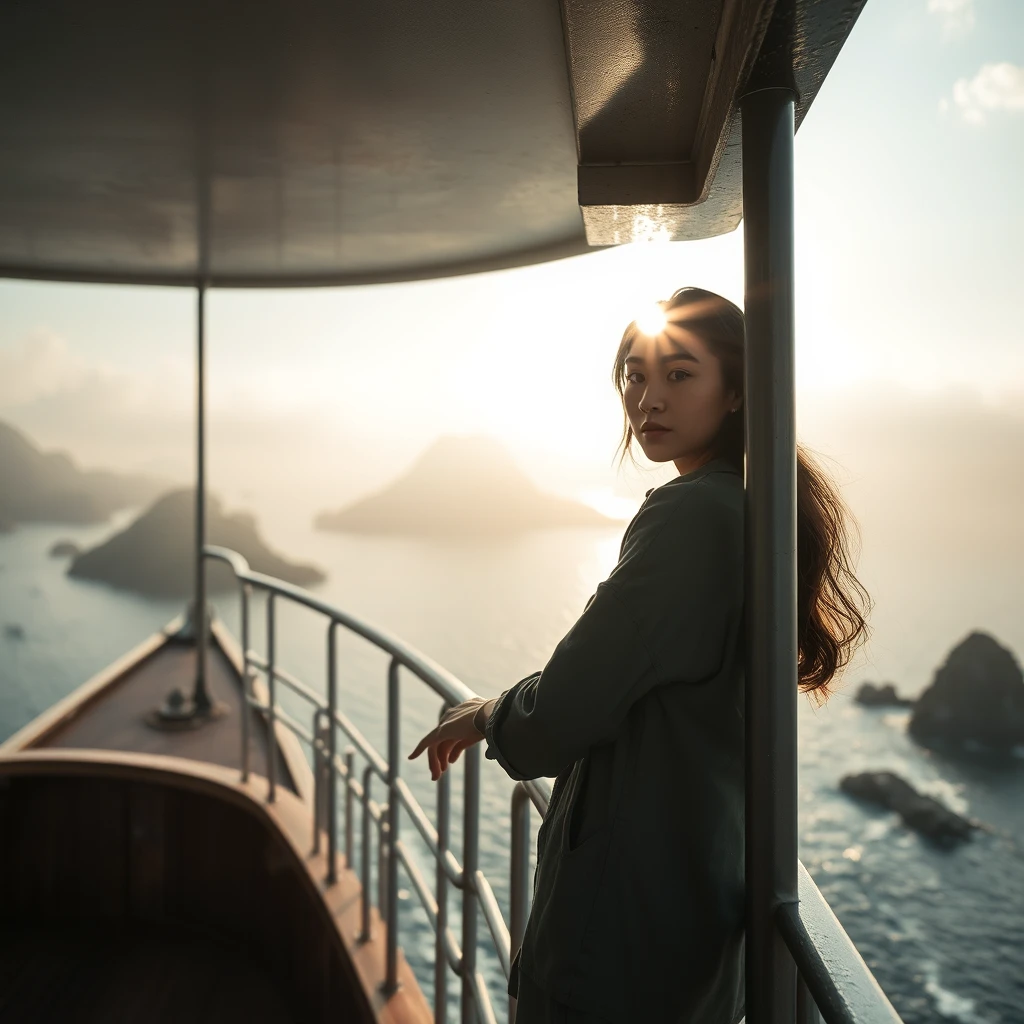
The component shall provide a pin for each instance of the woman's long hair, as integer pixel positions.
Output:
(831, 602)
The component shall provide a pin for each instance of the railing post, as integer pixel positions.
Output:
(350, 768)
(444, 799)
(272, 702)
(365, 935)
(519, 882)
(332, 768)
(806, 1008)
(322, 774)
(771, 635)
(382, 866)
(470, 863)
(394, 806)
(246, 594)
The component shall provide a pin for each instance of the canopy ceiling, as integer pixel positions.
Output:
(299, 142)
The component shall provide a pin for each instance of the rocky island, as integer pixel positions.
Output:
(461, 486)
(975, 703)
(48, 487)
(154, 555)
(921, 813)
(883, 695)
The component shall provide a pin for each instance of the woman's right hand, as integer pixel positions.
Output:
(454, 733)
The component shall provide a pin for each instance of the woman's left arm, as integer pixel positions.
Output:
(663, 615)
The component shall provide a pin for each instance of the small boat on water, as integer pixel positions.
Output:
(178, 846)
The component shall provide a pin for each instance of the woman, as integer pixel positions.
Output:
(638, 895)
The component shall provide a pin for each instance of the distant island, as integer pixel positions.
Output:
(461, 486)
(48, 487)
(154, 555)
(975, 703)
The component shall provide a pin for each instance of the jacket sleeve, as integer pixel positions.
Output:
(662, 616)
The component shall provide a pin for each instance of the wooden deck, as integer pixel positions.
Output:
(114, 716)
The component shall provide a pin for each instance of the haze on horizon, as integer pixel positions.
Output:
(910, 355)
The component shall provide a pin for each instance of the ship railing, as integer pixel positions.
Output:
(833, 982)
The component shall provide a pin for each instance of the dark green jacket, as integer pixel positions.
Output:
(638, 895)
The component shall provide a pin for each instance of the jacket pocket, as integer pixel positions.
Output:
(595, 794)
(574, 819)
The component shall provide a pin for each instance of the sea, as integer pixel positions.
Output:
(942, 930)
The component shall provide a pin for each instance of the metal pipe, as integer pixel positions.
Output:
(246, 594)
(394, 809)
(840, 987)
(350, 767)
(771, 636)
(447, 686)
(332, 753)
(519, 882)
(470, 864)
(201, 702)
(444, 800)
(323, 769)
(382, 864)
(271, 703)
(365, 934)
(806, 1008)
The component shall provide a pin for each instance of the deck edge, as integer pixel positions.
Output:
(68, 708)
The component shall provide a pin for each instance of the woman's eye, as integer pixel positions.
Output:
(682, 375)
(631, 378)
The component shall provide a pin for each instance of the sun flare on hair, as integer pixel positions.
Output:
(652, 320)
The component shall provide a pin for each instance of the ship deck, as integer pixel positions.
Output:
(112, 712)
(137, 818)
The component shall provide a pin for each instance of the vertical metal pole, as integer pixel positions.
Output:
(806, 1008)
(332, 768)
(771, 677)
(382, 866)
(200, 695)
(365, 935)
(271, 701)
(321, 776)
(246, 710)
(520, 875)
(394, 760)
(470, 863)
(350, 768)
(444, 803)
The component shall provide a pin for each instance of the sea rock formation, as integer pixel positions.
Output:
(975, 702)
(883, 695)
(154, 555)
(65, 549)
(48, 487)
(461, 486)
(919, 812)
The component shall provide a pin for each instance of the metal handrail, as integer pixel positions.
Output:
(818, 944)
(466, 877)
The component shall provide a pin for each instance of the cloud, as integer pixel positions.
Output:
(38, 366)
(955, 16)
(994, 88)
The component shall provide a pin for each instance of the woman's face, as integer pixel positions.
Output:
(675, 397)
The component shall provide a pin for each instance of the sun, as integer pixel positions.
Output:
(652, 320)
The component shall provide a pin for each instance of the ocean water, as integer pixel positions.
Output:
(942, 930)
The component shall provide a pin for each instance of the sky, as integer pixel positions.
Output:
(909, 228)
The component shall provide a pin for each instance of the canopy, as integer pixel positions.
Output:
(303, 142)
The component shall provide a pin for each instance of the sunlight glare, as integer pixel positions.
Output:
(652, 320)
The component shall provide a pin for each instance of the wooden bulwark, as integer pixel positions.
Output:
(163, 847)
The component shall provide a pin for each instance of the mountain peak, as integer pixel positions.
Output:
(461, 485)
